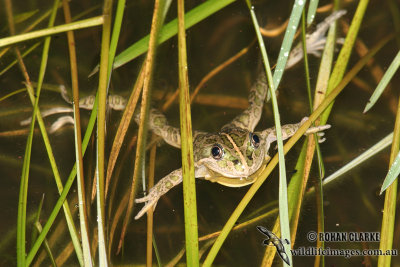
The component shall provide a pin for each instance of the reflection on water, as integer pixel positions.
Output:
(351, 204)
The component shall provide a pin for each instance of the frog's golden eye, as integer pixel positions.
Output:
(255, 140)
(217, 151)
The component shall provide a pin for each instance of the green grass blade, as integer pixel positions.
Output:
(37, 219)
(119, 14)
(22, 203)
(272, 82)
(101, 130)
(24, 16)
(38, 227)
(157, 21)
(67, 187)
(344, 55)
(12, 93)
(312, 9)
(384, 82)
(288, 41)
(27, 52)
(68, 216)
(23, 195)
(389, 208)
(289, 144)
(305, 58)
(372, 151)
(86, 23)
(82, 206)
(283, 199)
(189, 187)
(392, 174)
(192, 17)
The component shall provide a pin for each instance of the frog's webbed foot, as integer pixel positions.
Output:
(315, 41)
(316, 129)
(162, 187)
(151, 201)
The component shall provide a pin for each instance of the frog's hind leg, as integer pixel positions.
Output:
(315, 41)
(249, 118)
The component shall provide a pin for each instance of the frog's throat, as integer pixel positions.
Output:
(234, 182)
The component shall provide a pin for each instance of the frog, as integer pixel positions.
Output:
(315, 43)
(233, 157)
(236, 155)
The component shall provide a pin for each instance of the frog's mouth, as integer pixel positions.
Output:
(236, 181)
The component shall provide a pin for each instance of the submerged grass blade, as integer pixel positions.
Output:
(23, 195)
(37, 219)
(101, 131)
(283, 200)
(312, 9)
(392, 174)
(64, 193)
(83, 219)
(192, 17)
(22, 203)
(289, 144)
(123, 128)
(372, 151)
(86, 23)
(189, 188)
(27, 52)
(144, 110)
(389, 209)
(288, 41)
(272, 82)
(119, 14)
(384, 82)
(38, 227)
(344, 55)
(126, 118)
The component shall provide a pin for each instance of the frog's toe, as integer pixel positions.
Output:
(316, 53)
(340, 40)
(142, 211)
(150, 203)
(318, 129)
(303, 120)
(143, 199)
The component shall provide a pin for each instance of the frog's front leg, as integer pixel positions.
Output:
(163, 186)
(288, 130)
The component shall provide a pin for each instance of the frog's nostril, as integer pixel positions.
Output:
(236, 162)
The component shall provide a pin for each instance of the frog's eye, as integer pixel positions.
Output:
(217, 151)
(255, 140)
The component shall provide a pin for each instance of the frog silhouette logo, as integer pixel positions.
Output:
(277, 242)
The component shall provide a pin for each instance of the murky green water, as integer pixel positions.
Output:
(351, 204)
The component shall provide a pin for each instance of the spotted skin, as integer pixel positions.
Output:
(241, 158)
(244, 153)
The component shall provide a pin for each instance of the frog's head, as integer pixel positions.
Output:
(233, 153)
